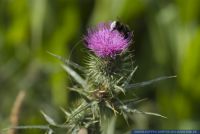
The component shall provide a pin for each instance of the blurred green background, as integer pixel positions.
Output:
(166, 42)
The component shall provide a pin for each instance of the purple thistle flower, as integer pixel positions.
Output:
(106, 40)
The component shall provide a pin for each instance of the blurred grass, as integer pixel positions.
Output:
(167, 42)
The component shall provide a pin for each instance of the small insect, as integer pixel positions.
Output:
(121, 28)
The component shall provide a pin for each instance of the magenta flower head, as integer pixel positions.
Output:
(108, 39)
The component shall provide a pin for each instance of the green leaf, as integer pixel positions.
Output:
(146, 83)
(126, 109)
(81, 108)
(75, 75)
(119, 89)
(66, 61)
(130, 76)
(133, 102)
(82, 92)
(64, 111)
(108, 125)
(149, 113)
(49, 119)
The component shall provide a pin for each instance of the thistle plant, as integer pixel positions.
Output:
(108, 73)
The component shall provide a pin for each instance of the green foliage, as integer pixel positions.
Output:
(99, 94)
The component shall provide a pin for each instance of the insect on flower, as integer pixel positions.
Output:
(122, 28)
(108, 39)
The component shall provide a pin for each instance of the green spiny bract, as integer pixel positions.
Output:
(109, 70)
(105, 73)
(105, 79)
